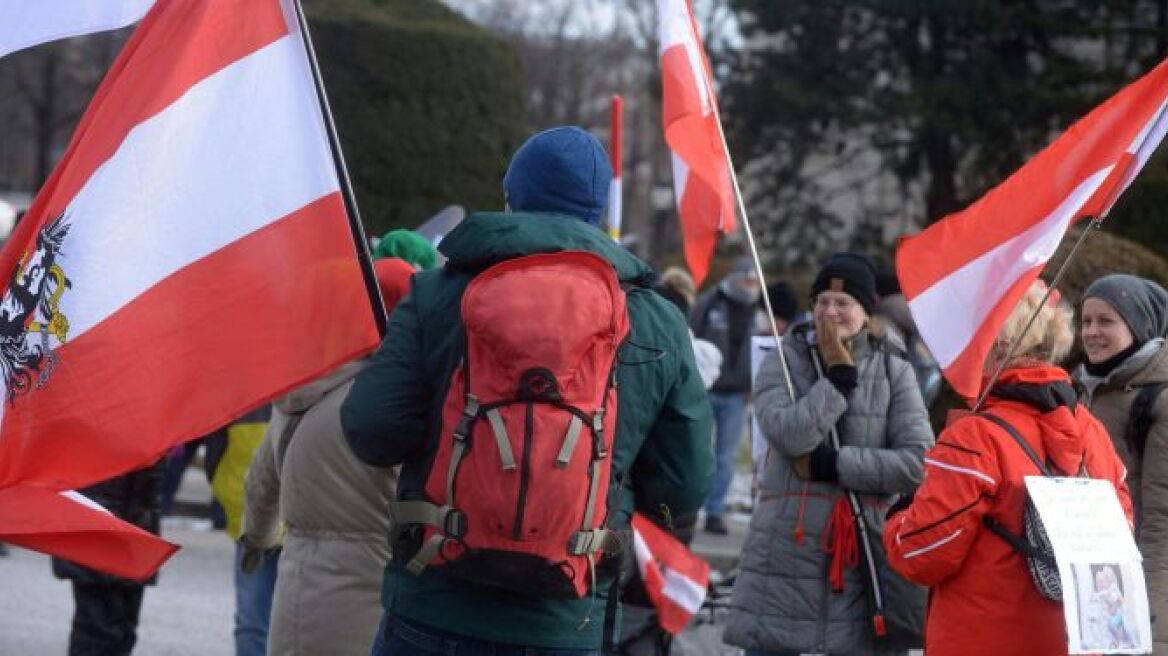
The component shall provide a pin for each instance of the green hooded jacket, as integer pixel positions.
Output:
(662, 460)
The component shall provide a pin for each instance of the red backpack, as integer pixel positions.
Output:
(517, 493)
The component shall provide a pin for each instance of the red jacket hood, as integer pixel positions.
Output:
(1045, 392)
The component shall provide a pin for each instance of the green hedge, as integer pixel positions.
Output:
(429, 106)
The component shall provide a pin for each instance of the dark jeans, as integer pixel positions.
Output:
(105, 619)
(399, 638)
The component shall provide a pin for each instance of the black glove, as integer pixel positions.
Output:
(822, 464)
(845, 377)
(252, 556)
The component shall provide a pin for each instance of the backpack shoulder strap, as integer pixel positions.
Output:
(1013, 432)
(1140, 418)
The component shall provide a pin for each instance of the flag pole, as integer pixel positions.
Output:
(356, 228)
(853, 501)
(854, 506)
(766, 297)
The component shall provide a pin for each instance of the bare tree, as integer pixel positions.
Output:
(45, 92)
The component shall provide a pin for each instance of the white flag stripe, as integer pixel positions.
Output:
(84, 500)
(240, 149)
(614, 204)
(680, 177)
(673, 26)
(1144, 145)
(952, 310)
(683, 591)
(676, 29)
(641, 550)
(26, 23)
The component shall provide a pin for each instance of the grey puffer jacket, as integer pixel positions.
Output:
(782, 599)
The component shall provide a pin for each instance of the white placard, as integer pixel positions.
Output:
(1105, 599)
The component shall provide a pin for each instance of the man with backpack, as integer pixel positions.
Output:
(535, 391)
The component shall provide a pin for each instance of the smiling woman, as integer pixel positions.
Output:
(1123, 319)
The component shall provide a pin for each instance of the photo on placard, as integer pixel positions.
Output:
(1106, 610)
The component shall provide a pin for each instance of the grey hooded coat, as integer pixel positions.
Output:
(782, 601)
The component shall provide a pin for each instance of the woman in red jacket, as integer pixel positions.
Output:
(983, 600)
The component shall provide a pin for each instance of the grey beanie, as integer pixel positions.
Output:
(1142, 303)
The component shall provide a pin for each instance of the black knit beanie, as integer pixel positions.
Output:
(851, 273)
(783, 300)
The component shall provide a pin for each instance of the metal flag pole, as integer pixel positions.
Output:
(364, 258)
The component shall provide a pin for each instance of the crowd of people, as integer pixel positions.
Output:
(468, 488)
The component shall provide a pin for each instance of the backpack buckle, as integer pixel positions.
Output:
(469, 414)
(598, 435)
(454, 524)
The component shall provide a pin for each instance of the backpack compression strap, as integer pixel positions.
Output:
(450, 522)
(1017, 542)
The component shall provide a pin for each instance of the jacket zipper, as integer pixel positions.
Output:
(525, 471)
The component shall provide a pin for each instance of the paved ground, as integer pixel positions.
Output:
(189, 612)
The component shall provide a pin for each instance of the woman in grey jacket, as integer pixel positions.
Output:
(798, 590)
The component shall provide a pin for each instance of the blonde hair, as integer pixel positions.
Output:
(1051, 336)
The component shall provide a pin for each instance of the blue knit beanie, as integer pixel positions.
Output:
(563, 170)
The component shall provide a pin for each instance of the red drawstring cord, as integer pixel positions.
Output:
(802, 508)
(839, 539)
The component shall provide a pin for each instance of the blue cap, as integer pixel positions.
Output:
(563, 170)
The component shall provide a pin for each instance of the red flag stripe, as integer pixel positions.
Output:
(693, 137)
(1109, 129)
(703, 184)
(53, 523)
(169, 326)
(167, 58)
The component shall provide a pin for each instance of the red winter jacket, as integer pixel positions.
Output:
(982, 599)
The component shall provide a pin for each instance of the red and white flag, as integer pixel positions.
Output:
(25, 23)
(964, 274)
(675, 579)
(702, 184)
(189, 259)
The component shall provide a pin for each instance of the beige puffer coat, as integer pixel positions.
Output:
(336, 511)
(1110, 399)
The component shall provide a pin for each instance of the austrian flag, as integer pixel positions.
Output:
(675, 579)
(189, 259)
(963, 275)
(702, 182)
